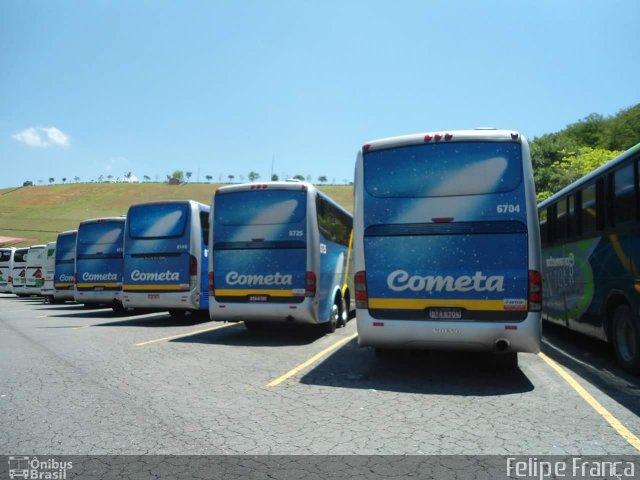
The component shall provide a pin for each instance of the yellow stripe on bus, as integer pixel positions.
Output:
(93, 285)
(419, 304)
(134, 288)
(229, 292)
(63, 285)
(346, 270)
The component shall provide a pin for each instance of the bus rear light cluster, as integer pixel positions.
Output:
(437, 137)
(362, 297)
(366, 147)
(259, 187)
(535, 291)
(211, 287)
(193, 271)
(310, 287)
(75, 278)
(10, 279)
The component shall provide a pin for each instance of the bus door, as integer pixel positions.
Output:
(259, 251)
(446, 232)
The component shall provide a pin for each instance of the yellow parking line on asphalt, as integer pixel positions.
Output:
(617, 425)
(195, 332)
(312, 360)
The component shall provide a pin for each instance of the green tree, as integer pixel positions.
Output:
(231, 177)
(64, 179)
(274, 177)
(146, 178)
(209, 178)
(51, 180)
(253, 176)
(178, 175)
(27, 183)
(76, 178)
(322, 179)
(573, 166)
(299, 177)
(188, 175)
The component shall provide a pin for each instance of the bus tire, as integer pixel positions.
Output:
(626, 339)
(344, 310)
(334, 318)
(118, 308)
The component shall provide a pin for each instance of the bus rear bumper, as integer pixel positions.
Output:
(63, 294)
(188, 300)
(97, 297)
(264, 312)
(521, 336)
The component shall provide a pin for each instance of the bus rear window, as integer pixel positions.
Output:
(157, 221)
(20, 256)
(260, 207)
(65, 248)
(100, 233)
(443, 170)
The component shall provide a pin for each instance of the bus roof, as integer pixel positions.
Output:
(444, 136)
(68, 232)
(590, 176)
(120, 219)
(36, 247)
(164, 202)
(286, 185)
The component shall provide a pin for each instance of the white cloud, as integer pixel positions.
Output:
(42, 137)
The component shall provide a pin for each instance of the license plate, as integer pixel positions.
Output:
(153, 296)
(444, 313)
(258, 298)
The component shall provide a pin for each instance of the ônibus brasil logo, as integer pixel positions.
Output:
(35, 469)
(400, 280)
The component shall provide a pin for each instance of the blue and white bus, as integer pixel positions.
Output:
(280, 253)
(447, 244)
(166, 253)
(99, 262)
(64, 275)
(591, 256)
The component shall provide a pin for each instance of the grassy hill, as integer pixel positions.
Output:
(39, 213)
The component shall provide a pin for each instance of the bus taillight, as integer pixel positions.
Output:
(193, 266)
(310, 288)
(75, 278)
(362, 297)
(211, 288)
(535, 291)
(10, 279)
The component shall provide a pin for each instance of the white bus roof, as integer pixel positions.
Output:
(443, 136)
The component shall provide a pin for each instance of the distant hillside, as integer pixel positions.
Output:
(38, 213)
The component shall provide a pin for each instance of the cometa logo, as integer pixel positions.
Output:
(234, 278)
(138, 276)
(99, 277)
(400, 280)
(65, 278)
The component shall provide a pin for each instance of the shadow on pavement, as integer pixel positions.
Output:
(594, 361)
(423, 372)
(271, 336)
(163, 319)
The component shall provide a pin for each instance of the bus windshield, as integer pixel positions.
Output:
(5, 255)
(158, 220)
(100, 233)
(443, 169)
(20, 255)
(261, 207)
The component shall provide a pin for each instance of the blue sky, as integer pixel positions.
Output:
(218, 88)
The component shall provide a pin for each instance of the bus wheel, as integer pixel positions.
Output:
(177, 314)
(626, 339)
(118, 308)
(330, 326)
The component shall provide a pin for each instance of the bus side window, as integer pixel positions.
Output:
(588, 209)
(624, 195)
(561, 219)
(204, 224)
(571, 216)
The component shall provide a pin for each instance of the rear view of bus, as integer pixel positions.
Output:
(166, 253)
(279, 254)
(34, 275)
(6, 260)
(99, 262)
(19, 272)
(65, 265)
(48, 272)
(447, 247)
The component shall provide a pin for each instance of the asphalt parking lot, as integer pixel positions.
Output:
(85, 381)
